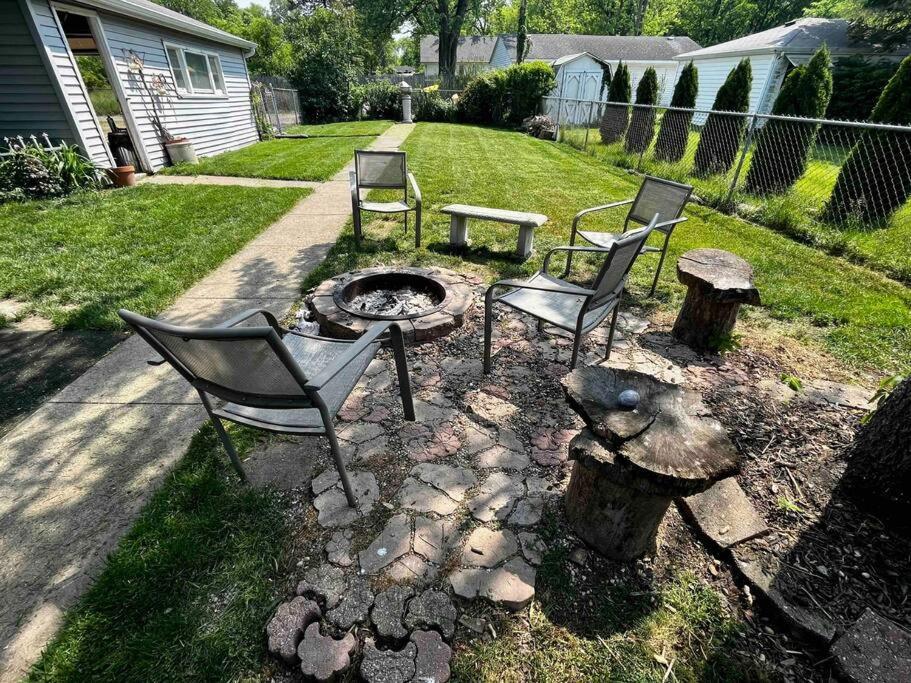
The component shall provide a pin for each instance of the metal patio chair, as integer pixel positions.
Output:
(270, 377)
(655, 196)
(383, 171)
(568, 306)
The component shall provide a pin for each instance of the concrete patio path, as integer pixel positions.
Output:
(224, 180)
(74, 475)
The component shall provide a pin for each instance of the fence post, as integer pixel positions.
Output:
(747, 143)
(642, 153)
(588, 125)
(278, 118)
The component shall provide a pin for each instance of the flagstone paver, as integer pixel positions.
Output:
(388, 666)
(323, 658)
(104, 443)
(432, 609)
(393, 542)
(431, 663)
(287, 626)
(389, 610)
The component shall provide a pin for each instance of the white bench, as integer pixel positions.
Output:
(527, 222)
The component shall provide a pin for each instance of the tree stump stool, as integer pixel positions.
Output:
(630, 464)
(717, 283)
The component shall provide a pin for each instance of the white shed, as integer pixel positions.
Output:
(772, 54)
(196, 76)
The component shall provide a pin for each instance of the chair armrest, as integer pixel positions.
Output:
(249, 313)
(522, 284)
(414, 188)
(356, 349)
(593, 250)
(603, 207)
(669, 224)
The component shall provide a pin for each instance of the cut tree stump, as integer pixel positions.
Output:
(718, 282)
(630, 464)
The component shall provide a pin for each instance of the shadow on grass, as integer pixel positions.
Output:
(187, 591)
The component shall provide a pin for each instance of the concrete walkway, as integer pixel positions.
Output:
(74, 475)
(223, 180)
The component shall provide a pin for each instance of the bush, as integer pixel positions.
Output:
(484, 99)
(865, 191)
(428, 105)
(377, 100)
(722, 134)
(642, 126)
(31, 171)
(675, 125)
(526, 85)
(781, 150)
(506, 96)
(616, 118)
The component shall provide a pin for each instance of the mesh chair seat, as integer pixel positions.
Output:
(606, 239)
(556, 308)
(385, 207)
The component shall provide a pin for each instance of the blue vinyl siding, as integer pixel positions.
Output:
(28, 102)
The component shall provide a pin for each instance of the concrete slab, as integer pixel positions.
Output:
(724, 513)
(224, 180)
(874, 649)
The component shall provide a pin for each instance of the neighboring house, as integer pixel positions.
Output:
(579, 59)
(198, 76)
(472, 56)
(772, 54)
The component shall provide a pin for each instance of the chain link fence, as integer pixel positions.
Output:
(275, 109)
(802, 176)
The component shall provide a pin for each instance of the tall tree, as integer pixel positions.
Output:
(781, 151)
(616, 116)
(522, 32)
(675, 125)
(882, 22)
(722, 133)
(864, 190)
(642, 125)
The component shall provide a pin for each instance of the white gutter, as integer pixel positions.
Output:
(168, 20)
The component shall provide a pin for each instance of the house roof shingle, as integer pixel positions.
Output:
(471, 48)
(798, 36)
(551, 46)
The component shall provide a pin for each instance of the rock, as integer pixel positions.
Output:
(528, 511)
(579, 556)
(873, 649)
(453, 481)
(489, 408)
(826, 393)
(323, 657)
(538, 486)
(511, 585)
(496, 497)
(488, 548)
(393, 542)
(502, 458)
(332, 505)
(724, 513)
(338, 549)
(354, 606)
(550, 446)
(326, 582)
(388, 610)
(420, 497)
(432, 609)
(287, 624)
(473, 624)
(533, 547)
(388, 666)
(478, 438)
(434, 539)
(360, 432)
(431, 663)
(411, 568)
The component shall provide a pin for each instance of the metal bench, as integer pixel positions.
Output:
(527, 222)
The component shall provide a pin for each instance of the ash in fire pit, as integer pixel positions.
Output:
(406, 301)
(427, 303)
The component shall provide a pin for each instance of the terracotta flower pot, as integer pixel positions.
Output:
(123, 176)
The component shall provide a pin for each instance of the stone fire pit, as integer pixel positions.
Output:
(428, 303)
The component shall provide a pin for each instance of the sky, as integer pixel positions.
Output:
(247, 3)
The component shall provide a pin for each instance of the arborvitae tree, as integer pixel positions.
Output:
(875, 179)
(722, 133)
(675, 125)
(782, 148)
(616, 117)
(642, 126)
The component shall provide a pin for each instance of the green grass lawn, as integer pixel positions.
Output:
(857, 313)
(77, 260)
(318, 157)
(886, 248)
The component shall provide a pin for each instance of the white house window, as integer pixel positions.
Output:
(195, 73)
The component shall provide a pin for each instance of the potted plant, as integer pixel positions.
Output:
(181, 151)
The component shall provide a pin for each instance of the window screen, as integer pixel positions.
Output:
(180, 80)
(198, 66)
(217, 79)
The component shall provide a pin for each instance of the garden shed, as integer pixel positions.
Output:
(772, 54)
(168, 75)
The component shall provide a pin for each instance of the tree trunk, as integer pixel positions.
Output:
(522, 32)
(879, 471)
(451, 21)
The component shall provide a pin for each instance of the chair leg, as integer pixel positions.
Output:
(401, 367)
(417, 227)
(223, 436)
(337, 458)
(610, 335)
(358, 234)
(406, 222)
(576, 343)
(667, 239)
(488, 328)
